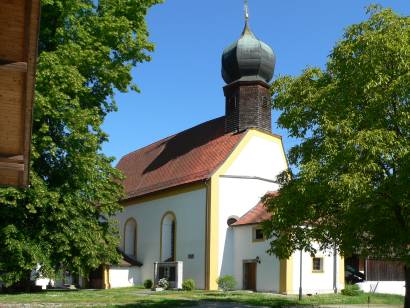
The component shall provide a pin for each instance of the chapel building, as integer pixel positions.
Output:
(194, 199)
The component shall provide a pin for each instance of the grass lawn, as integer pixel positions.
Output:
(137, 297)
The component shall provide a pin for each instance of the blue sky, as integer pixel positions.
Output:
(182, 85)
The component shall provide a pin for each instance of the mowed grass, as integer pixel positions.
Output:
(137, 297)
(134, 297)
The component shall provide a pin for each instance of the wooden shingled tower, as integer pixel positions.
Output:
(19, 26)
(247, 68)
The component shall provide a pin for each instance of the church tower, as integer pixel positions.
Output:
(247, 67)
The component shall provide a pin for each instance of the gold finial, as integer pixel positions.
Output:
(246, 11)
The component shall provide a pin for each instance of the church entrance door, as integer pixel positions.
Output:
(249, 275)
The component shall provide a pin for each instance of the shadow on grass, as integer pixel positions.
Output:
(254, 300)
(159, 304)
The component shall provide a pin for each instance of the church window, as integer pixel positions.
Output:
(168, 237)
(317, 264)
(130, 237)
(257, 234)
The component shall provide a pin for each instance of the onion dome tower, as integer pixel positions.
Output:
(247, 68)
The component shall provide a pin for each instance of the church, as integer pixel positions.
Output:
(193, 200)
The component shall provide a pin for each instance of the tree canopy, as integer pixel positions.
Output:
(87, 49)
(351, 186)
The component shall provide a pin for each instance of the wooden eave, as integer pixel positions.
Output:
(19, 27)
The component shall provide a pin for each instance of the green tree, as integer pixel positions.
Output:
(351, 186)
(87, 49)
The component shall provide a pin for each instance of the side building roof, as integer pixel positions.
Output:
(255, 215)
(187, 157)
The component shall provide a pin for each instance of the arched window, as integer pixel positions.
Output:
(130, 237)
(168, 237)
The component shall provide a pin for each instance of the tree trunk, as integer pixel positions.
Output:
(407, 278)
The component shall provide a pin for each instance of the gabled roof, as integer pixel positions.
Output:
(187, 157)
(255, 215)
(127, 260)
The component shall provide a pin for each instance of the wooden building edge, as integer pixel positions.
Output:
(19, 21)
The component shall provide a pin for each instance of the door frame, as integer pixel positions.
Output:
(244, 262)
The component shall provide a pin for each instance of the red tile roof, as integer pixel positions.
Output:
(187, 157)
(255, 215)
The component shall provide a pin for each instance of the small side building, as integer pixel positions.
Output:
(257, 270)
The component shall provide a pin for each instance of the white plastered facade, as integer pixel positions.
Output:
(316, 282)
(189, 209)
(386, 287)
(242, 180)
(120, 276)
(268, 267)
(250, 176)
(245, 249)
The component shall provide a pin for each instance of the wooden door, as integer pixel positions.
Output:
(249, 276)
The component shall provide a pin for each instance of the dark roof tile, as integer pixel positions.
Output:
(187, 157)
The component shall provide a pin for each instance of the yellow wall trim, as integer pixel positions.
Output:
(212, 220)
(286, 276)
(164, 193)
(106, 278)
(341, 271)
(207, 236)
(283, 276)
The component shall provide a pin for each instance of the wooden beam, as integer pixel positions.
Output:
(31, 48)
(13, 160)
(6, 65)
(12, 166)
(18, 56)
(15, 163)
(12, 22)
(11, 112)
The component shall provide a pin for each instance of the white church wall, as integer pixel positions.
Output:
(120, 277)
(241, 187)
(263, 156)
(267, 271)
(315, 282)
(236, 197)
(42, 282)
(190, 210)
(387, 287)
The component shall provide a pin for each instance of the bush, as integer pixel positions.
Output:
(148, 284)
(226, 283)
(351, 290)
(188, 285)
(163, 283)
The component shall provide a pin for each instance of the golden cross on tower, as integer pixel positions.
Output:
(246, 11)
